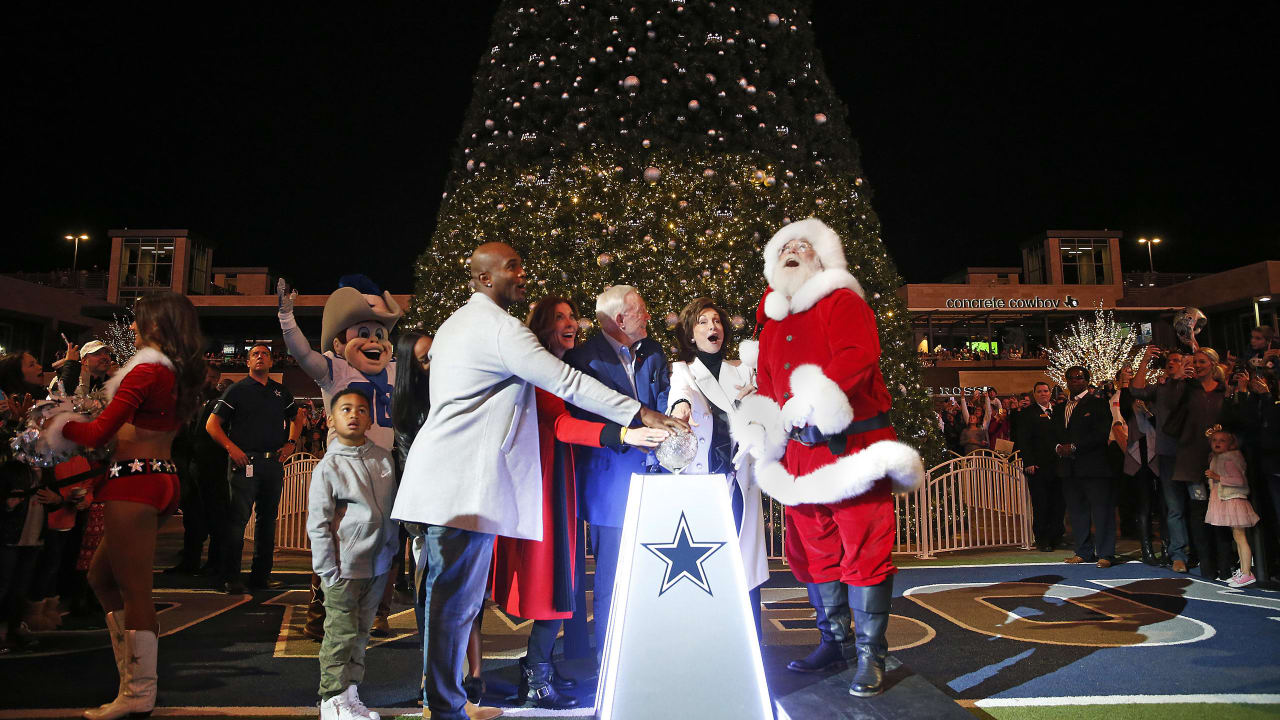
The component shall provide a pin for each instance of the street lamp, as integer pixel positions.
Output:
(1149, 243)
(76, 255)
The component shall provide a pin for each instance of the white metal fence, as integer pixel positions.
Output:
(968, 502)
(291, 521)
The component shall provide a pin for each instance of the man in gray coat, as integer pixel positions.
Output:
(473, 471)
(1164, 397)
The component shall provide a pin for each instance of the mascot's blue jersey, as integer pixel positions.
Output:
(376, 387)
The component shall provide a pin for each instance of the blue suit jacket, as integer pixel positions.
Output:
(604, 474)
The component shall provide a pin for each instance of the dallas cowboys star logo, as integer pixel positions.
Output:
(115, 470)
(136, 466)
(684, 558)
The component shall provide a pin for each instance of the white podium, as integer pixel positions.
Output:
(681, 641)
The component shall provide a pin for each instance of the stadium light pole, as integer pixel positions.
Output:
(76, 254)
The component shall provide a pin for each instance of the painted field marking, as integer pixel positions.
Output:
(1221, 699)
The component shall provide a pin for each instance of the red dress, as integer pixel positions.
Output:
(525, 571)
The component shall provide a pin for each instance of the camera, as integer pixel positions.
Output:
(1158, 361)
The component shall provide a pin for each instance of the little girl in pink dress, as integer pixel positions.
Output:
(1229, 499)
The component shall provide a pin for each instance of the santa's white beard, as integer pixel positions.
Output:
(788, 280)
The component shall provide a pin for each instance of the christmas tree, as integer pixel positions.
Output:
(661, 145)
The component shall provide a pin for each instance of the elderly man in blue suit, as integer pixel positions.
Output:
(625, 359)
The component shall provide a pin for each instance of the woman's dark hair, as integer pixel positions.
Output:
(12, 381)
(542, 317)
(169, 322)
(410, 397)
(685, 348)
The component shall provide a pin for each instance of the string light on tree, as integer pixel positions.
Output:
(1103, 346)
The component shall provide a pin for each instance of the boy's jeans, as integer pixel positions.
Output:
(349, 606)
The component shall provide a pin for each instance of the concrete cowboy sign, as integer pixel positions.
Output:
(1015, 303)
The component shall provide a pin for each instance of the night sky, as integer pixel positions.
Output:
(284, 135)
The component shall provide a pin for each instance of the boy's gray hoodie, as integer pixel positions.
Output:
(349, 512)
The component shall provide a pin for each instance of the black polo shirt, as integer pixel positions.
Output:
(256, 416)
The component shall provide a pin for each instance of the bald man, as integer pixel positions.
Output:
(473, 471)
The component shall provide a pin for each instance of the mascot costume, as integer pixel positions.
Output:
(356, 341)
(823, 445)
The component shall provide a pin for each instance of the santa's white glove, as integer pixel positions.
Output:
(284, 298)
(797, 413)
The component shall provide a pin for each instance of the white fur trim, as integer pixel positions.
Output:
(749, 352)
(757, 425)
(813, 290)
(825, 241)
(848, 477)
(145, 356)
(52, 435)
(775, 306)
(831, 409)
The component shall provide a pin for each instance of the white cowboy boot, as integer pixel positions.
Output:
(115, 632)
(137, 678)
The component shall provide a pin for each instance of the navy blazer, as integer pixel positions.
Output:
(604, 474)
(1089, 430)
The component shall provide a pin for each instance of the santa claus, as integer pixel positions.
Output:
(820, 435)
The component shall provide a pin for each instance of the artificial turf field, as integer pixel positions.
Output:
(1008, 634)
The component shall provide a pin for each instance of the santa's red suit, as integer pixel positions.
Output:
(818, 367)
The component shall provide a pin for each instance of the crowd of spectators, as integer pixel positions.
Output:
(1176, 419)
(49, 529)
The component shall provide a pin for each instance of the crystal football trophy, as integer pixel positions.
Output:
(677, 451)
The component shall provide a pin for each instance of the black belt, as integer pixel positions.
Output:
(266, 455)
(810, 436)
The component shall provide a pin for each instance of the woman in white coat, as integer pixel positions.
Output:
(705, 389)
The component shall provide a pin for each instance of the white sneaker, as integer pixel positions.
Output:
(358, 708)
(337, 708)
(1240, 579)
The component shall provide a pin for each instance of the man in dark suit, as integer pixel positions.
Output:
(623, 357)
(1034, 439)
(1087, 485)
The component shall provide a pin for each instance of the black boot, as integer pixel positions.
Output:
(831, 602)
(1149, 556)
(870, 607)
(561, 682)
(536, 687)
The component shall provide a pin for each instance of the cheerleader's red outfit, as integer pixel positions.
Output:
(147, 398)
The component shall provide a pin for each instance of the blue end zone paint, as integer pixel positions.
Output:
(964, 682)
(1240, 657)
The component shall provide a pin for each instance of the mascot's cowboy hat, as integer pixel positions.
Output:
(349, 305)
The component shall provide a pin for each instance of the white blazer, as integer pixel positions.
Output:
(474, 465)
(692, 381)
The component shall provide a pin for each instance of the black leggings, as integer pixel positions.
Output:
(542, 640)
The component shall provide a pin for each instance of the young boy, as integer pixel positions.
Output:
(353, 540)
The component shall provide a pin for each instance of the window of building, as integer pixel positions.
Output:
(1086, 261)
(198, 278)
(1033, 263)
(146, 266)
